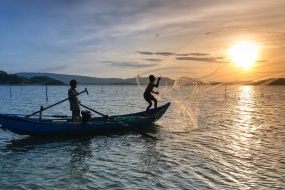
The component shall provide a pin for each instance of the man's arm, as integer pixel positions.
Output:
(157, 83)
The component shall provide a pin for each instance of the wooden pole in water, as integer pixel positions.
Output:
(41, 110)
(10, 90)
(46, 90)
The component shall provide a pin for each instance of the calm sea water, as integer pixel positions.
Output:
(232, 142)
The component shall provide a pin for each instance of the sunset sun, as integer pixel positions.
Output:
(244, 54)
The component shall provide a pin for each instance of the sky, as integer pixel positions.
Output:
(127, 38)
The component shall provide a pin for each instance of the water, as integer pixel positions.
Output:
(235, 142)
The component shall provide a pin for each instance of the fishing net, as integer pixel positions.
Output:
(213, 62)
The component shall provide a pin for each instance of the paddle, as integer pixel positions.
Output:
(122, 124)
(55, 104)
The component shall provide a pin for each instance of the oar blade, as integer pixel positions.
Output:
(133, 129)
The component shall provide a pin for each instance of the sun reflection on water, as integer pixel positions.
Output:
(242, 142)
(245, 106)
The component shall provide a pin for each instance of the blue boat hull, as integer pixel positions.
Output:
(45, 127)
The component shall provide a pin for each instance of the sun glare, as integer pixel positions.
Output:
(244, 54)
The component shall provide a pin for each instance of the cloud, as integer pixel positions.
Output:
(164, 53)
(132, 64)
(156, 53)
(153, 59)
(169, 53)
(145, 53)
(195, 54)
(32, 37)
(210, 59)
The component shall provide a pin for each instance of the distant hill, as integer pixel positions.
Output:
(84, 80)
(6, 78)
(45, 80)
(280, 81)
(271, 81)
(123, 83)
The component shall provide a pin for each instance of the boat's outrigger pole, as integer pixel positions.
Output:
(42, 109)
(121, 123)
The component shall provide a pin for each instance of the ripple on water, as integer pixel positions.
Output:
(238, 143)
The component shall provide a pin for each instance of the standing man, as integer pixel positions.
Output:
(147, 94)
(73, 100)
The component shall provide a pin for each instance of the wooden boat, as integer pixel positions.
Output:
(48, 126)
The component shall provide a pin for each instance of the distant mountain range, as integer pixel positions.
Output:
(62, 79)
(84, 80)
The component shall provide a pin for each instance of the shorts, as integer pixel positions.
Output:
(148, 97)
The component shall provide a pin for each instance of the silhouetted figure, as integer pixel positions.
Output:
(149, 89)
(73, 100)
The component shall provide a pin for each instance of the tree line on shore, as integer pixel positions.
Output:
(13, 79)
